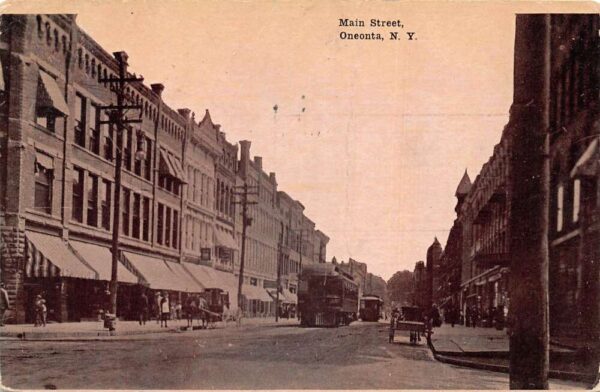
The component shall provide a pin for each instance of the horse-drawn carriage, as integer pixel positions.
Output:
(207, 307)
(411, 319)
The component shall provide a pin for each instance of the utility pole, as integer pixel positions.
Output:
(244, 191)
(529, 168)
(116, 115)
(279, 257)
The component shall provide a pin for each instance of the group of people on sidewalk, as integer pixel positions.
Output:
(164, 309)
(41, 309)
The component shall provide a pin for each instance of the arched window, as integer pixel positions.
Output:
(64, 43)
(99, 72)
(56, 42)
(87, 63)
(48, 34)
(93, 68)
(80, 57)
(39, 26)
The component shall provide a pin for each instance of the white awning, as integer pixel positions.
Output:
(49, 256)
(588, 165)
(172, 166)
(155, 272)
(45, 161)
(225, 240)
(100, 259)
(188, 284)
(256, 293)
(291, 297)
(53, 94)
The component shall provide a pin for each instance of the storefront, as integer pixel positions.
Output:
(485, 294)
(73, 279)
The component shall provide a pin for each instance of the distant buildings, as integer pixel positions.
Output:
(479, 241)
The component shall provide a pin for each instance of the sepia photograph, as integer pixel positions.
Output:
(320, 195)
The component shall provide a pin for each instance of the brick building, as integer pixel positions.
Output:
(179, 230)
(484, 214)
(575, 203)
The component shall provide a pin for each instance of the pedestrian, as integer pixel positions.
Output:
(143, 308)
(202, 308)
(474, 316)
(178, 310)
(165, 310)
(4, 303)
(40, 311)
(392, 331)
(190, 309)
(158, 306)
(468, 316)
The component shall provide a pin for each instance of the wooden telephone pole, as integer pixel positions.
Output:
(529, 168)
(116, 115)
(243, 192)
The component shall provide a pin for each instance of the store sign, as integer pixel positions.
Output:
(205, 254)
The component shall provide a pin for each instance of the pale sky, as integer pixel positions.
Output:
(389, 127)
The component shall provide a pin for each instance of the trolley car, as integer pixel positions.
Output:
(370, 308)
(327, 296)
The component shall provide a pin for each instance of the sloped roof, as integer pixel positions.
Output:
(464, 186)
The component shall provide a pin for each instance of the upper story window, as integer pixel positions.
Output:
(171, 174)
(92, 200)
(94, 130)
(576, 199)
(559, 207)
(44, 175)
(77, 195)
(80, 119)
(50, 104)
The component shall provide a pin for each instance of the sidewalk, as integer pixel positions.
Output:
(488, 348)
(95, 329)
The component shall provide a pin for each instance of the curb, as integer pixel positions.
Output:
(458, 360)
(110, 336)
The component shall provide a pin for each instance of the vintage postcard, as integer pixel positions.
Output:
(283, 195)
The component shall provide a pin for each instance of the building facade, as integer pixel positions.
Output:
(574, 232)
(180, 226)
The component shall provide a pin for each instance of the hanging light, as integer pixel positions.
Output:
(140, 154)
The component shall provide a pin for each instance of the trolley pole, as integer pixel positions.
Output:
(116, 115)
(243, 192)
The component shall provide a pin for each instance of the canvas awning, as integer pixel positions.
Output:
(588, 165)
(225, 240)
(291, 297)
(171, 166)
(155, 272)
(53, 96)
(100, 259)
(256, 293)
(44, 161)
(189, 284)
(49, 256)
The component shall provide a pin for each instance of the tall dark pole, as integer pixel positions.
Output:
(244, 203)
(244, 191)
(279, 257)
(529, 122)
(116, 116)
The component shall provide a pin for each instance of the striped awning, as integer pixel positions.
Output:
(54, 97)
(49, 256)
(100, 259)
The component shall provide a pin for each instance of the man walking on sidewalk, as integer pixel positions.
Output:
(143, 308)
(4, 304)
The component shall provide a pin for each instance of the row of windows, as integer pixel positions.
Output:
(224, 199)
(200, 187)
(92, 200)
(100, 138)
(167, 226)
(198, 234)
(573, 87)
(51, 35)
